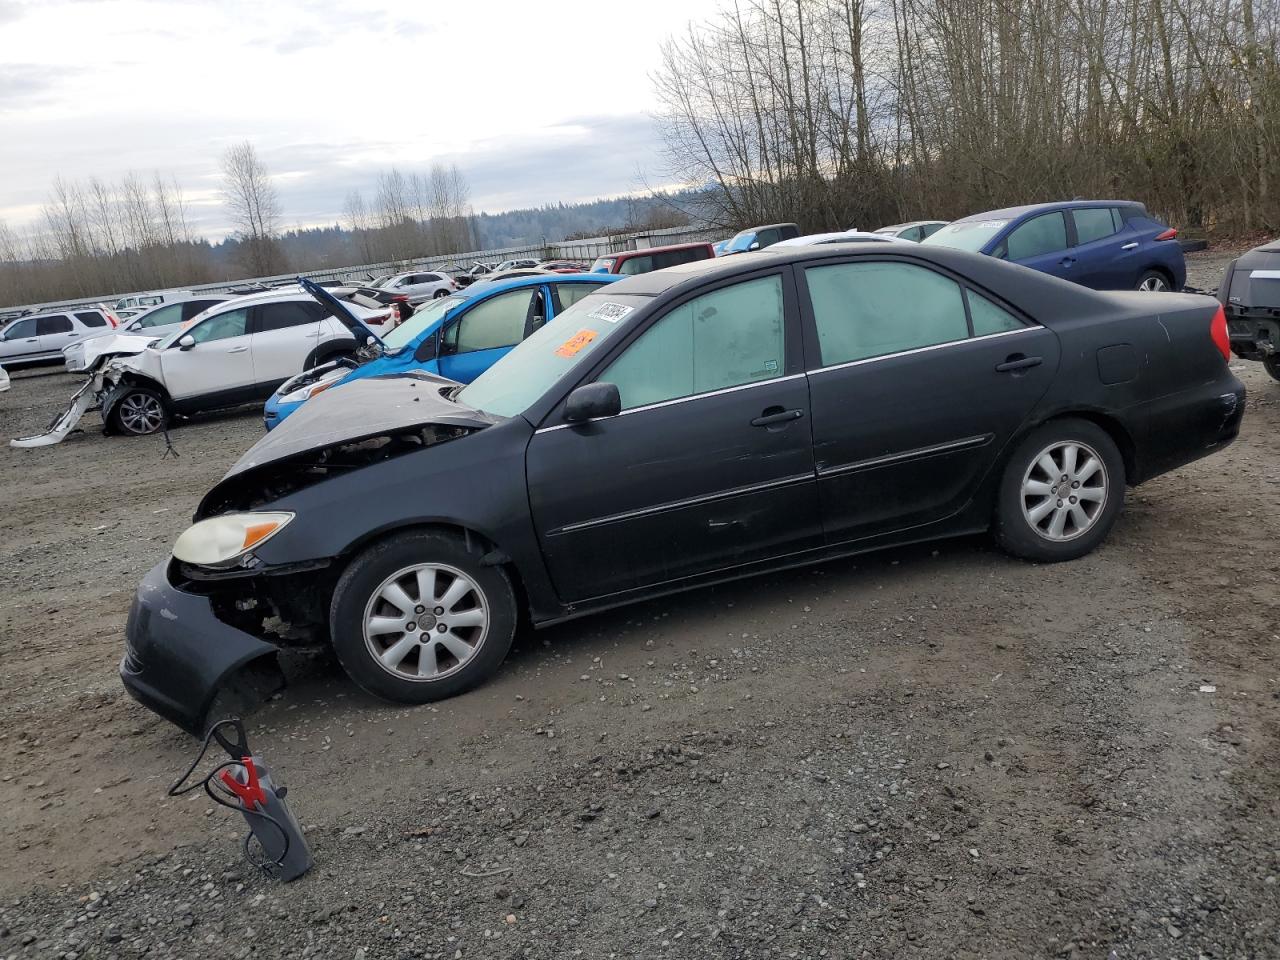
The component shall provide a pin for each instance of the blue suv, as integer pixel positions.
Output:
(459, 336)
(1103, 244)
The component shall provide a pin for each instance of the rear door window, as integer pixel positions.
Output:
(1046, 233)
(92, 318)
(567, 294)
(291, 313)
(860, 312)
(55, 324)
(1095, 223)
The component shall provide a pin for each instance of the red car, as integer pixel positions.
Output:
(630, 262)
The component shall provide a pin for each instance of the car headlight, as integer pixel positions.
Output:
(331, 379)
(220, 540)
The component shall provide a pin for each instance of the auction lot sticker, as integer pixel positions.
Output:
(575, 343)
(610, 312)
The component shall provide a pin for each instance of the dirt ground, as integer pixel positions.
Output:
(933, 752)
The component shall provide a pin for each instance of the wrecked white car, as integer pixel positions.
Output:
(234, 353)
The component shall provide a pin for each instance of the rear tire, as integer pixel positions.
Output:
(139, 413)
(439, 294)
(1154, 281)
(398, 643)
(1272, 365)
(1065, 512)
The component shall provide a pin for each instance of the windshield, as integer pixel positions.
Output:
(411, 329)
(574, 337)
(741, 242)
(171, 338)
(971, 235)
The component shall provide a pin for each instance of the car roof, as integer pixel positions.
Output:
(1027, 289)
(1013, 213)
(851, 236)
(627, 254)
(515, 283)
(909, 223)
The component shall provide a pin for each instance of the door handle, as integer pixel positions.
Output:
(1017, 362)
(1130, 246)
(237, 350)
(776, 415)
(1067, 261)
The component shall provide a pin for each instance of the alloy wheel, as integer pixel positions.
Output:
(425, 622)
(1154, 284)
(1064, 490)
(141, 413)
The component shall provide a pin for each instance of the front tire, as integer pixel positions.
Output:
(140, 412)
(1272, 365)
(439, 294)
(417, 618)
(1061, 492)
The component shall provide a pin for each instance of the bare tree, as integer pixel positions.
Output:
(254, 205)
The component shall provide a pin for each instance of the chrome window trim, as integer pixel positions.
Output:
(678, 504)
(932, 346)
(673, 402)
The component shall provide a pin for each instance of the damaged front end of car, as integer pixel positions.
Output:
(209, 626)
(109, 372)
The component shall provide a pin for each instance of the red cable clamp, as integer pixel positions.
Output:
(250, 793)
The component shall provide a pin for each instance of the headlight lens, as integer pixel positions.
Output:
(220, 540)
(330, 379)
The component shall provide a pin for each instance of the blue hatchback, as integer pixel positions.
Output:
(1103, 244)
(459, 336)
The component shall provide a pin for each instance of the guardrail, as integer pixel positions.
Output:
(586, 250)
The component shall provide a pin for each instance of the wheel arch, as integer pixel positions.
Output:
(1116, 430)
(1164, 271)
(493, 554)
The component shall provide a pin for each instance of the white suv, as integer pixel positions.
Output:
(419, 286)
(44, 337)
(233, 353)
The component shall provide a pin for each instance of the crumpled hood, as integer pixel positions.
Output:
(83, 355)
(360, 410)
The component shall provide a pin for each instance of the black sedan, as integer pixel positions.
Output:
(679, 428)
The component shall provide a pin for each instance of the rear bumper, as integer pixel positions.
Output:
(1253, 338)
(1186, 426)
(178, 653)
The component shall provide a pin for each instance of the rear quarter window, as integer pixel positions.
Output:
(92, 318)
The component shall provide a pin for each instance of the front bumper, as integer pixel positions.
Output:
(178, 654)
(275, 411)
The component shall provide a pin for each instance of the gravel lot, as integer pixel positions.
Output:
(933, 752)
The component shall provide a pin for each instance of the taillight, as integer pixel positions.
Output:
(1169, 234)
(1218, 333)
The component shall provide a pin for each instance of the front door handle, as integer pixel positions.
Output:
(1068, 261)
(1018, 362)
(775, 415)
(237, 350)
(1130, 246)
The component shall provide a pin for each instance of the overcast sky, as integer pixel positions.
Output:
(536, 102)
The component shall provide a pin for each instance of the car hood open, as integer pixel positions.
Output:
(362, 409)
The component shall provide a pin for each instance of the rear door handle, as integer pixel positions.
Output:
(237, 350)
(1130, 246)
(1068, 261)
(774, 415)
(1018, 363)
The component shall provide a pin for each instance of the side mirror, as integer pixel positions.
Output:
(755, 245)
(592, 401)
(187, 342)
(427, 349)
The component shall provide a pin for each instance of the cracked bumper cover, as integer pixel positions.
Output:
(178, 653)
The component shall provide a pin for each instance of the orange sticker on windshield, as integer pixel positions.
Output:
(575, 343)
